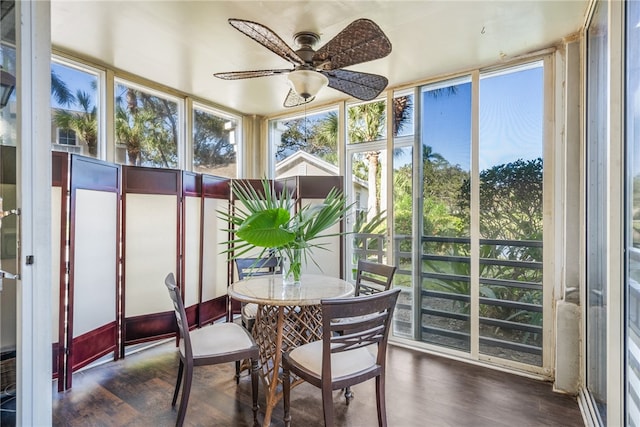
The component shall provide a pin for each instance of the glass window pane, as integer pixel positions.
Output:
(633, 213)
(214, 144)
(366, 122)
(74, 109)
(368, 190)
(402, 239)
(306, 145)
(597, 196)
(147, 127)
(403, 113)
(446, 151)
(511, 142)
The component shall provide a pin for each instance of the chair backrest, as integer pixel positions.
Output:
(351, 323)
(181, 314)
(373, 277)
(258, 266)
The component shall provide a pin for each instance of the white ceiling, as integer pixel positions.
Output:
(180, 44)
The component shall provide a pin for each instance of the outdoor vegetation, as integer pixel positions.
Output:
(510, 204)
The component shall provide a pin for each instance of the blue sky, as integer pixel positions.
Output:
(511, 109)
(511, 119)
(75, 80)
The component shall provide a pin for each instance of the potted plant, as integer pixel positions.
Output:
(268, 221)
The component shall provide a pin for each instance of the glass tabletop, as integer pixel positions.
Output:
(269, 290)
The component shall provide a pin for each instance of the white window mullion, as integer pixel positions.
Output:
(474, 321)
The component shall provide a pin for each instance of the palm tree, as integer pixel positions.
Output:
(367, 123)
(84, 123)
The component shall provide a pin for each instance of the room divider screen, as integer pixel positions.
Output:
(119, 230)
(215, 272)
(94, 208)
(150, 247)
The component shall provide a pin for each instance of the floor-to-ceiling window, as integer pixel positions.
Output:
(468, 233)
(632, 217)
(596, 208)
(443, 297)
(8, 226)
(510, 214)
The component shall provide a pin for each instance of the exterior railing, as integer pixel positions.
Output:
(447, 321)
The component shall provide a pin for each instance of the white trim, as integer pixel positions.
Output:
(474, 212)
(34, 391)
(549, 208)
(615, 216)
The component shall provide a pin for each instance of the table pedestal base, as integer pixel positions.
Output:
(279, 329)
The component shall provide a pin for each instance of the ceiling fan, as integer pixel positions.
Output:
(359, 42)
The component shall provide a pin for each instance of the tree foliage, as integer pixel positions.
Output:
(84, 123)
(510, 200)
(211, 145)
(147, 126)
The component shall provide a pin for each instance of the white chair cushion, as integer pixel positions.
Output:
(217, 339)
(309, 356)
(250, 311)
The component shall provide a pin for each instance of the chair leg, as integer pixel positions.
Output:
(254, 388)
(327, 406)
(380, 401)
(178, 382)
(286, 394)
(348, 395)
(237, 372)
(184, 400)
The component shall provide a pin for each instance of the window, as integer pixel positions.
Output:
(148, 125)
(367, 122)
(632, 220)
(66, 137)
(215, 138)
(597, 186)
(305, 143)
(75, 99)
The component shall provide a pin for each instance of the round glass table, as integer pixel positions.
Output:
(288, 316)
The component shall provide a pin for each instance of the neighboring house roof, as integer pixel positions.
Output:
(294, 164)
(302, 157)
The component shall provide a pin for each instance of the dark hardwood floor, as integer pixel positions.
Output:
(422, 390)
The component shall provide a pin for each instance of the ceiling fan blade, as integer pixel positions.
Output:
(293, 99)
(237, 75)
(267, 38)
(362, 86)
(360, 41)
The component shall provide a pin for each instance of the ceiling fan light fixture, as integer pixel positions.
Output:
(307, 83)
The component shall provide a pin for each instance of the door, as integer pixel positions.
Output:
(8, 225)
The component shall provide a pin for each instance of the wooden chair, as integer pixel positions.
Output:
(344, 357)
(373, 277)
(210, 345)
(255, 267)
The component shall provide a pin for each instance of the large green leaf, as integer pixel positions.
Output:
(265, 228)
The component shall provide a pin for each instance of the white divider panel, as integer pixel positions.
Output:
(329, 259)
(95, 256)
(191, 249)
(56, 213)
(150, 241)
(214, 263)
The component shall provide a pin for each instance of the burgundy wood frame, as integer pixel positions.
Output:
(191, 187)
(91, 174)
(59, 178)
(143, 180)
(213, 187)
